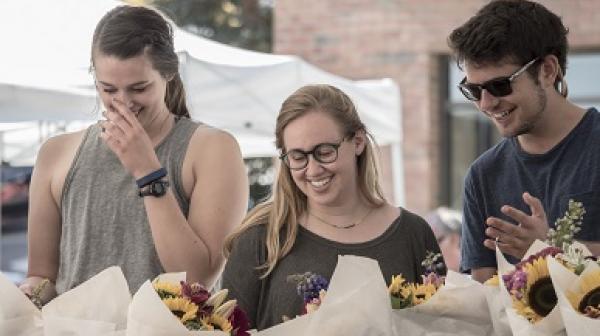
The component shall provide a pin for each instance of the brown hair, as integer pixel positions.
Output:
(287, 202)
(129, 31)
(517, 30)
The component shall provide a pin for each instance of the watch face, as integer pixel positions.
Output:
(159, 188)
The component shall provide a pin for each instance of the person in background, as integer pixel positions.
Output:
(326, 202)
(146, 188)
(446, 226)
(514, 55)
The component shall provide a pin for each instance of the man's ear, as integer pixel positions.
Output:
(550, 70)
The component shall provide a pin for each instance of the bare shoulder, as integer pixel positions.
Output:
(55, 159)
(60, 147)
(210, 142)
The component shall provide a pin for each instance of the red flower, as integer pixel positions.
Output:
(240, 322)
(195, 293)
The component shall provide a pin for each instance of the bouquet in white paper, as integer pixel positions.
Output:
(356, 303)
(96, 307)
(171, 306)
(440, 305)
(527, 287)
(497, 306)
(18, 315)
(578, 297)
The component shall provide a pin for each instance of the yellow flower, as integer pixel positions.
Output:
(397, 284)
(166, 289)
(524, 310)
(216, 322)
(184, 309)
(587, 293)
(539, 297)
(422, 293)
(493, 281)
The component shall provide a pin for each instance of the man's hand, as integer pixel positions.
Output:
(516, 239)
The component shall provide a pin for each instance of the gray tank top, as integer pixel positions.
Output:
(104, 221)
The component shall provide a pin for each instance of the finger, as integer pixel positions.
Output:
(113, 130)
(502, 225)
(125, 111)
(537, 209)
(516, 214)
(111, 142)
(517, 252)
(26, 289)
(117, 119)
(490, 244)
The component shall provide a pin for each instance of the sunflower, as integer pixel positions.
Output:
(539, 294)
(398, 282)
(586, 298)
(216, 322)
(493, 281)
(524, 310)
(422, 292)
(184, 309)
(166, 289)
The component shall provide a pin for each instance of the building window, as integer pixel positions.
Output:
(468, 133)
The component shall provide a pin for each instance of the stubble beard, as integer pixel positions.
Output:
(529, 124)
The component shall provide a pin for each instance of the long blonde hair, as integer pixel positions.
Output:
(287, 202)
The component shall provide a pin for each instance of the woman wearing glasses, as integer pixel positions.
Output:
(326, 202)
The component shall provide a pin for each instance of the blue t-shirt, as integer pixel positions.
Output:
(500, 176)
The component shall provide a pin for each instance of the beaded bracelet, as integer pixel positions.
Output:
(155, 175)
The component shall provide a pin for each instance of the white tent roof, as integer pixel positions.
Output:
(44, 76)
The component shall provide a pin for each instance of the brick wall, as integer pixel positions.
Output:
(402, 39)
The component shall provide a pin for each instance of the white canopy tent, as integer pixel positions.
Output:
(44, 76)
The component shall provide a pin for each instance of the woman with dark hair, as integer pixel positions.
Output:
(326, 202)
(145, 188)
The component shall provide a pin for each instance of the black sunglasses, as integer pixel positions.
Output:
(497, 87)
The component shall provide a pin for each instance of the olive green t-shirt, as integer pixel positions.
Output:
(400, 249)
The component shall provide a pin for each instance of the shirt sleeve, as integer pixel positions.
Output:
(473, 253)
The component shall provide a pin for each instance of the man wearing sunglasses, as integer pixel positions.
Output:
(514, 56)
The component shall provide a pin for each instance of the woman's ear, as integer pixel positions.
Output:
(360, 141)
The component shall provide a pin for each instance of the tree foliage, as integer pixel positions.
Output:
(241, 23)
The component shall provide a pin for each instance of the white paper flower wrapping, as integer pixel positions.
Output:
(565, 280)
(458, 305)
(497, 310)
(357, 303)
(550, 325)
(149, 316)
(18, 316)
(96, 307)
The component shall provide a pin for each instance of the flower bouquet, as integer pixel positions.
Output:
(96, 307)
(440, 305)
(170, 306)
(356, 303)
(528, 290)
(497, 306)
(18, 315)
(578, 297)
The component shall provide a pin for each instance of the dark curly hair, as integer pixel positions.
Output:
(514, 30)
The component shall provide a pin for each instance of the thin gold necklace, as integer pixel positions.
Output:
(349, 226)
